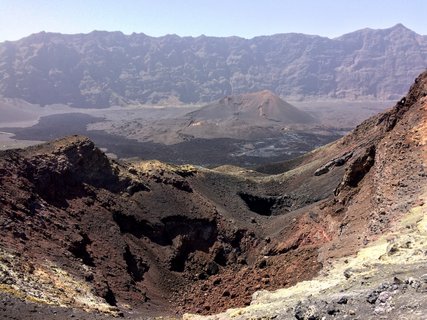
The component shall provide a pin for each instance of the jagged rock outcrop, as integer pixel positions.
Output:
(334, 162)
(100, 69)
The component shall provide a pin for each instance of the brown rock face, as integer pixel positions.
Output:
(86, 232)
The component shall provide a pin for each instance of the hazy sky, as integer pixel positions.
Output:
(245, 18)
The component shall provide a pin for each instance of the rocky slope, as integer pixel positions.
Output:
(253, 108)
(98, 237)
(109, 68)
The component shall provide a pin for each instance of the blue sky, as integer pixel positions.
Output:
(245, 18)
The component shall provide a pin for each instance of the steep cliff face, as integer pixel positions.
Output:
(82, 231)
(108, 68)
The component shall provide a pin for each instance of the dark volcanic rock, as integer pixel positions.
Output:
(138, 234)
(100, 69)
(338, 162)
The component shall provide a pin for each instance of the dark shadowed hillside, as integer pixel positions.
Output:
(109, 68)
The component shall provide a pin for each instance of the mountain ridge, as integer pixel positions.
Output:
(397, 26)
(103, 68)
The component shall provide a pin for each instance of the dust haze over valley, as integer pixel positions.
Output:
(172, 177)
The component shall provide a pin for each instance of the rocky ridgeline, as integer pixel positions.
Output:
(100, 69)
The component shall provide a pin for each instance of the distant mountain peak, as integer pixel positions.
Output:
(263, 98)
(401, 29)
(253, 107)
(400, 26)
